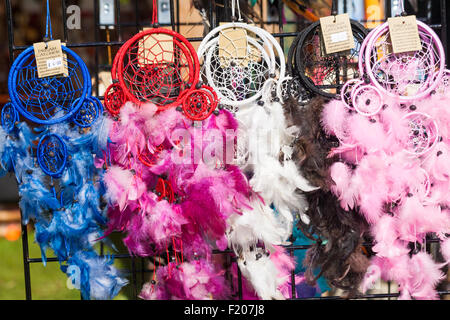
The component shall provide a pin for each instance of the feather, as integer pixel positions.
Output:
(426, 275)
(94, 276)
(342, 187)
(262, 273)
(416, 220)
(195, 280)
(334, 119)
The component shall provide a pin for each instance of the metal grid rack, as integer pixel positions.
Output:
(138, 270)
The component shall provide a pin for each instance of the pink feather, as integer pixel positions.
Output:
(416, 220)
(334, 117)
(341, 175)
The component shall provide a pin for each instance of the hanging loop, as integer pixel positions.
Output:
(155, 14)
(48, 26)
(234, 4)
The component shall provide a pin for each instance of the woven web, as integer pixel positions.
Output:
(114, 98)
(367, 100)
(87, 114)
(346, 92)
(404, 74)
(49, 98)
(444, 83)
(9, 117)
(328, 72)
(157, 68)
(51, 155)
(422, 134)
(198, 105)
(243, 78)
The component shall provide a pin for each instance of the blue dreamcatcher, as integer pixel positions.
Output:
(50, 135)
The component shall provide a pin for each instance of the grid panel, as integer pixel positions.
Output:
(137, 271)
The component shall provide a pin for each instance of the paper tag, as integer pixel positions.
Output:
(404, 34)
(233, 45)
(49, 58)
(337, 33)
(159, 44)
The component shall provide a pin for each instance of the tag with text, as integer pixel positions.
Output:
(404, 34)
(49, 59)
(337, 33)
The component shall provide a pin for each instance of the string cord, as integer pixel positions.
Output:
(234, 4)
(155, 12)
(48, 24)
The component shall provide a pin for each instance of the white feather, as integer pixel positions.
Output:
(261, 273)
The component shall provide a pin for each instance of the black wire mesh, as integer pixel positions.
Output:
(103, 49)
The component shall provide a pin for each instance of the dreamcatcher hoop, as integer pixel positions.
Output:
(9, 117)
(52, 155)
(88, 113)
(314, 74)
(199, 104)
(148, 77)
(52, 99)
(431, 57)
(347, 92)
(239, 74)
(368, 94)
(268, 50)
(422, 137)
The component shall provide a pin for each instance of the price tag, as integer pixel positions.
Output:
(49, 59)
(54, 63)
(404, 34)
(337, 33)
(159, 44)
(233, 45)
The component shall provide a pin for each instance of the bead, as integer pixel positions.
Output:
(412, 107)
(260, 103)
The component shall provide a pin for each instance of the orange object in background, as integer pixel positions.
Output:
(12, 232)
(374, 13)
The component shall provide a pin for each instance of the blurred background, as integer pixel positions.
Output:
(28, 26)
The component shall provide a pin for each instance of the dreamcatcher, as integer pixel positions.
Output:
(321, 73)
(245, 66)
(53, 161)
(159, 66)
(397, 180)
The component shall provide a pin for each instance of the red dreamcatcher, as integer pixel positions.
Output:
(159, 66)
